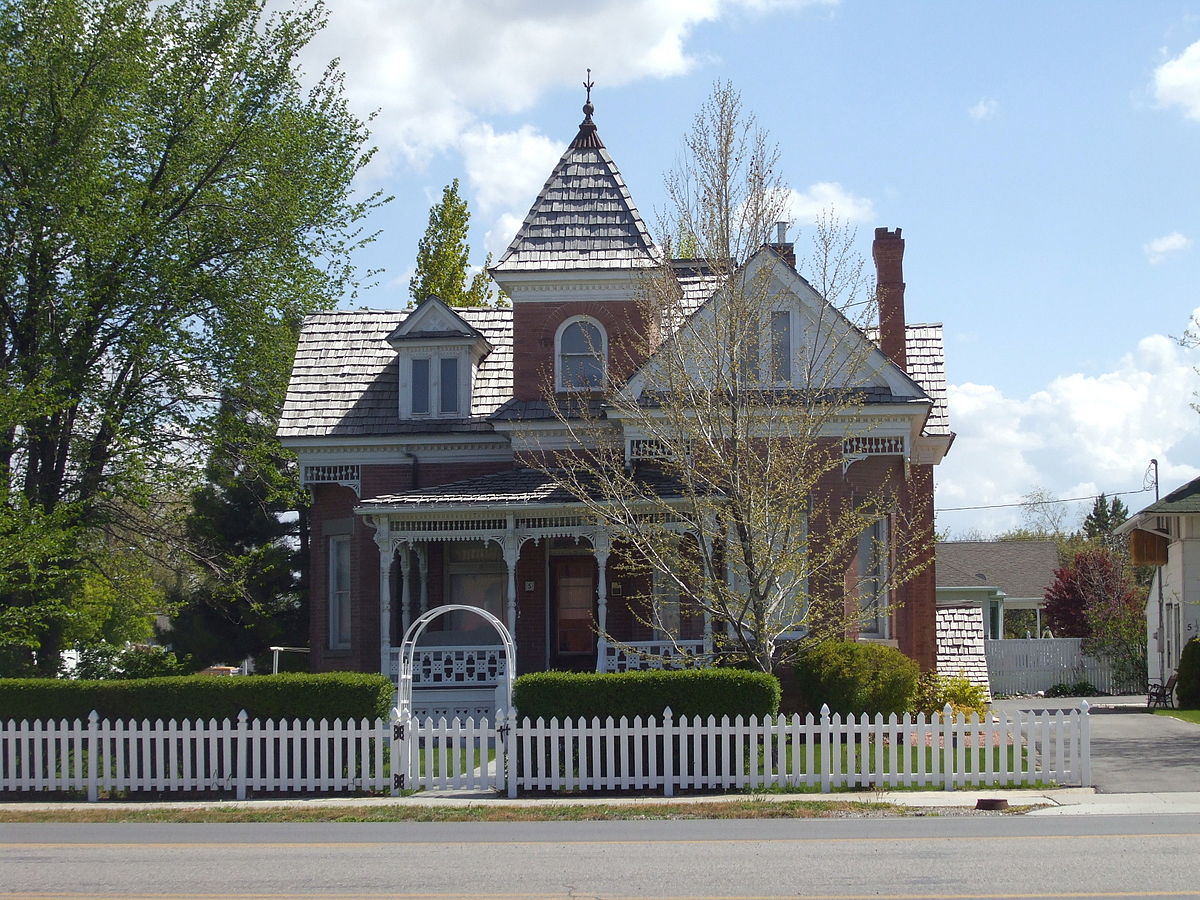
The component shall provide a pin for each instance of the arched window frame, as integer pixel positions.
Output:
(559, 384)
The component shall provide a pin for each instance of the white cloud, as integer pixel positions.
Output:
(1080, 435)
(431, 70)
(506, 171)
(1158, 249)
(805, 206)
(985, 108)
(1177, 82)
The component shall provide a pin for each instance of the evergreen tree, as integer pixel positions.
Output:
(245, 593)
(443, 254)
(1104, 518)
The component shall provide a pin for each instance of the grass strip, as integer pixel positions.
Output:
(1187, 715)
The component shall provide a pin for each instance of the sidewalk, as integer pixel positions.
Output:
(1056, 802)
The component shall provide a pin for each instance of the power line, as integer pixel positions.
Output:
(1041, 502)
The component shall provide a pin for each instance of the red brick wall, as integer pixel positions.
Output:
(334, 502)
(914, 625)
(534, 327)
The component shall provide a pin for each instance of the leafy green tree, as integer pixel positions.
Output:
(172, 202)
(443, 255)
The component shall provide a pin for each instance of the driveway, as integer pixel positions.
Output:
(1133, 752)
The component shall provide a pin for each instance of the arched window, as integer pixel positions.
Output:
(582, 355)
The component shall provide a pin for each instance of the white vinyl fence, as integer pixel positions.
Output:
(1038, 664)
(95, 757)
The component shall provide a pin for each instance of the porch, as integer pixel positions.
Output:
(517, 546)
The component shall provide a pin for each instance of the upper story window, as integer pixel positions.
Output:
(781, 346)
(582, 355)
(435, 386)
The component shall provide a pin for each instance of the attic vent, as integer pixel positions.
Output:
(347, 476)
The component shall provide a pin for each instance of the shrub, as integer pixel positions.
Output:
(1187, 686)
(854, 677)
(935, 691)
(689, 692)
(333, 695)
(1077, 689)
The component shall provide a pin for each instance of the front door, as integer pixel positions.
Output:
(573, 622)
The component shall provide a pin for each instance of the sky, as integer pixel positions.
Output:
(1040, 158)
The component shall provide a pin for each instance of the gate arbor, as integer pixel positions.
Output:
(466, 754)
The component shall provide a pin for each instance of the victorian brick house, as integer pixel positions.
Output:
(411, 429)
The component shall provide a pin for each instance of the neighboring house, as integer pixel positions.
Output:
(414, 431)
(996, 576)
(1166, 534)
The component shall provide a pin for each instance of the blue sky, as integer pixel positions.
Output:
(1041, 159)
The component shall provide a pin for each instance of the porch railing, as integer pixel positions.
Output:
(479, 665)
(630, 656)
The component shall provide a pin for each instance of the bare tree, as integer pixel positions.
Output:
(720, 464)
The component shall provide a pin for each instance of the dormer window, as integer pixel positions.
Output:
(435, 388)
(582, 355)
(438, 354)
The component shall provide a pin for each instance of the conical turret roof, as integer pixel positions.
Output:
(583, 218)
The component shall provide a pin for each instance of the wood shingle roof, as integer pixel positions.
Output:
(584, 217)
(345, 379)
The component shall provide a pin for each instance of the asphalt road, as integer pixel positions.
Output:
(1012, 856)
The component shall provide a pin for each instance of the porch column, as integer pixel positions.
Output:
(385, 601)
(512, 552)
(405, 589)
(422, 551)
(601, 545)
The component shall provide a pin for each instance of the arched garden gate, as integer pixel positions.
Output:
(468, 755)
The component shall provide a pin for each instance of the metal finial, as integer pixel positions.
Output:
(588, 109)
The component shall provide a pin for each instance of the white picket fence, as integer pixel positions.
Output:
(1017, 666)
(825, 752)
(95, 757)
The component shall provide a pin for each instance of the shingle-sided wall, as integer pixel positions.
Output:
(960, 648)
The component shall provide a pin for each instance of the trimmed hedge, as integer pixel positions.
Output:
(1187, 687)
(333, 695)
(855, 678)
(689, 692)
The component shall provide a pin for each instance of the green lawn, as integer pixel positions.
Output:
(1188, 715)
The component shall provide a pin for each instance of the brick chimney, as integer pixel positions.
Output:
(785, 248)
(888, 252)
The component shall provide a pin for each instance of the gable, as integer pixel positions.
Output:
(815, 324)
(432, 320)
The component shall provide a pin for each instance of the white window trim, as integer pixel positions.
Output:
(335, 639)
(558, 375)
(466, 374)
(881, 627)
